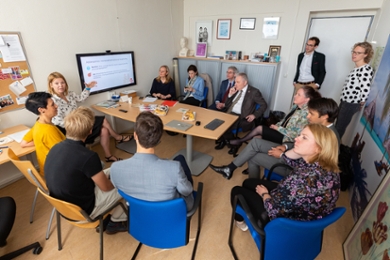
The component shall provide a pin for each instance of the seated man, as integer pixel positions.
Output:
(242, 101)
(223, 93)
(44, 134)
(74, 173)
(147, 177)
(260, 152)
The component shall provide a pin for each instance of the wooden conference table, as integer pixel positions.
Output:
(197, 161)
(15, 146)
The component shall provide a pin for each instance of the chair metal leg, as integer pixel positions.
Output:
(230, 239)
(198, 231)
(37, 249)
(59, 231)
(33, 206)
(101, 236)
(49, 224)
(136, 251)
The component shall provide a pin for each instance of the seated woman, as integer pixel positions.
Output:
(194, 87)
(309, 192)
(66, 102)
(163, 86)
(290, 127)
(44, 134)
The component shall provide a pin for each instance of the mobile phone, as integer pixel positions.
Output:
(122, 110)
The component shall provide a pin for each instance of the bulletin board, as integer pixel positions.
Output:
(16, 81)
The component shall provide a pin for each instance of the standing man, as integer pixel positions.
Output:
(242, 101)
(223, 93)
(310, 66)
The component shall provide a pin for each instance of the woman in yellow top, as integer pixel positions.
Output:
(44, 134)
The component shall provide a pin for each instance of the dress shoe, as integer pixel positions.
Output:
(224, 170)
(246, 171)
(234, 149)
(220, 145)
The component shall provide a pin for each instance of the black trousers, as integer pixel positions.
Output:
(254, 201)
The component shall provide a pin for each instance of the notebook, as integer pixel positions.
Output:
(179, 125)
(214, 124)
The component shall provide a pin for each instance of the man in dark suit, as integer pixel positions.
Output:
(310, 66)
(242, 101)
(223, 93)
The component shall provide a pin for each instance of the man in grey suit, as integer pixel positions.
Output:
(260, 152)
(147, 177)
(242, 101)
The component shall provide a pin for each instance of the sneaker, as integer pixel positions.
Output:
(242, 225)
(115, 227)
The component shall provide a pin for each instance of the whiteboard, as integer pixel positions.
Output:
(337, 36)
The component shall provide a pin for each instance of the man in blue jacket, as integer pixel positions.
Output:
(223, 93)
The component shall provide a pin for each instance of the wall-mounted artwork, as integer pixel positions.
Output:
(204, 32)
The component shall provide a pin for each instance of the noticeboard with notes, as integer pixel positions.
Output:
(16, 81)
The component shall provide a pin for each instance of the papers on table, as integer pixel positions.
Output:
(18, 136)
(149, 99)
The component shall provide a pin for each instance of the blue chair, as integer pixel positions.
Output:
(203, 103)
(284, 238)
(162, 224)
(273, 176)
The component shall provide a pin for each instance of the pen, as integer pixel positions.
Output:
(3, 147)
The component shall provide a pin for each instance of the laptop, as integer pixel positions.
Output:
(179, 125)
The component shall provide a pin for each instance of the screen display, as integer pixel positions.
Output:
(110, 70)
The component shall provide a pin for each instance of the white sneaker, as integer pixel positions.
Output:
(242, 225)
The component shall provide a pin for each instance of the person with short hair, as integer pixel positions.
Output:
(75, 174)
(194, 88)
(44, 134)
(147, 177)
(308, 193)
(310, 66)
(67, 101)
(357, 85)
(223, 92)
(260, 152)
(163, 86)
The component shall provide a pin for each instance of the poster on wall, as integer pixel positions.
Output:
(369, 238)
(371, 145)
(204, 32)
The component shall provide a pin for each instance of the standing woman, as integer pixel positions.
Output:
(66, 102)
(309, 192)
(163, 86)
(356, 87)
(194, 88)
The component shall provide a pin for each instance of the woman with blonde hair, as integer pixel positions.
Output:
(163, 87)
(309, 192)
(67, 101)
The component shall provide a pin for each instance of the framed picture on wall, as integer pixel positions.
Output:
(368, 239)
(201, 49)
(274, 50)
(223, 29)
(247, 23)
(204, 31)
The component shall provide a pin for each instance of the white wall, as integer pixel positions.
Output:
(54, 31)
(293, 27)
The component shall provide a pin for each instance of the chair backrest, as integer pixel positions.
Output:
(28, 170)
(209, 94)
(71, 212)
(204, 101)
(161, 224)
(286, 237)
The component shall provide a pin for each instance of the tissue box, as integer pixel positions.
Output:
(129, 93)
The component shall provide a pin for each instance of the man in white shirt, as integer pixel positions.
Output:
(310, 66)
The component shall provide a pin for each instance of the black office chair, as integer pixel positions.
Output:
(7, 218)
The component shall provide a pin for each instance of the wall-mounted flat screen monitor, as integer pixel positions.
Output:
(111, 70)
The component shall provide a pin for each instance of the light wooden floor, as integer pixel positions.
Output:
(84, 243)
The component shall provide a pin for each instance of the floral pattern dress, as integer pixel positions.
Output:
(64, 108)
(309, 192)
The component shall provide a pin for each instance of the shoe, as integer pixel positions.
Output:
(246, 171)
(112, 158)
(105, 223)
(242, 225)
(220, 145)
(234, 149)
(126, 138)
(115, 227)
(171, 133)
(224, 170)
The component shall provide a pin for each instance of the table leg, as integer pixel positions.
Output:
(196, 161)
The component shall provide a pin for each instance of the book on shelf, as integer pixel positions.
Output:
(215, 57)
(169, 103)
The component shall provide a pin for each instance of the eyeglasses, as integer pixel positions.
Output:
(357, 52)
(230, 72)
(310, 45)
